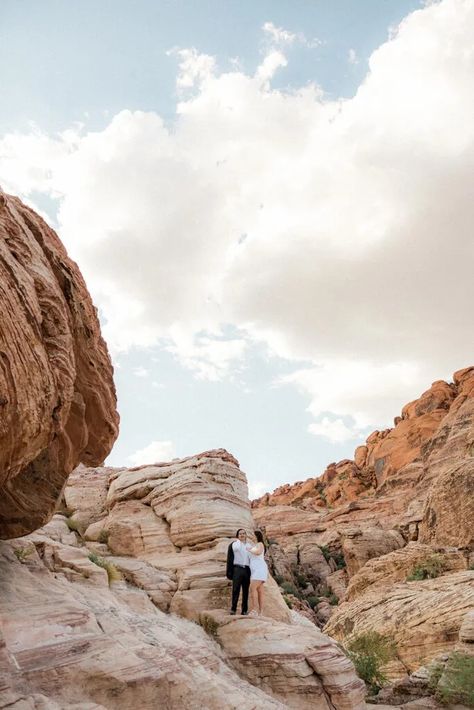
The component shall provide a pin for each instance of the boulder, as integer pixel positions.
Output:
(57, 397)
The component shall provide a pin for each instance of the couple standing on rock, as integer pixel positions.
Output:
(247, 569)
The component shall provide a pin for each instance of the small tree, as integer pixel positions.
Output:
(429, 568)
(456, 685)
(369, 652)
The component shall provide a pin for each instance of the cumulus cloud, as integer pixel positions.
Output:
(333, 429)
(338, 232)
(155, 452)
(281, 37)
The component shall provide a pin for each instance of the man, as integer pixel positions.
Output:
(238, 570)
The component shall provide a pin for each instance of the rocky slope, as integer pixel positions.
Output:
(57, 397)
(385, 542)
(97, 607)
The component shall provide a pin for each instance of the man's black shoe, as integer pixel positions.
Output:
(232, 612)
(245, 613)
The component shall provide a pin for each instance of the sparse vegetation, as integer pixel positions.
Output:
(456, 684)
(112, 572)
(289, 588)
(288, 602)
(429, 568)
(369, 652)
(72, 525)
(312, 601)
(338, 558)
(333, 599)
(326, 552)
(301, 580)
(279, 579)
(22, 553)
(209, 625)
(104, 536)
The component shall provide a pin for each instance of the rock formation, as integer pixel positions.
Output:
(395, 529)
(121, 600)
(57, 397)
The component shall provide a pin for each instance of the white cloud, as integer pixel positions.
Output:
(352, 57)
(357, 214)
(278, 34)
(333, 429)
(194, 68)
(281, 37)
(258, 488)
(155, 452)
(141, 372)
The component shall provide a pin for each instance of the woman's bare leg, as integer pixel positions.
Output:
(260, 594)
(253, 597)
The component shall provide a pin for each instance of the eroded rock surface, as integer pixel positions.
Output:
(403, 507)
(57, 397)
(72, 630)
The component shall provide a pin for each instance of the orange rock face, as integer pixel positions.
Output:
(389, 459)
(57, 397)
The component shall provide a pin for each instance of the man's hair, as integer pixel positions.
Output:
(239, 531)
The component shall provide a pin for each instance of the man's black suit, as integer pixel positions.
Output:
(240, 577)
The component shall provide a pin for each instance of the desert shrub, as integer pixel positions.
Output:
(429, 568)
(456, 686)
(369, 652)
(104, 536)
(288, 588)
(209, 625)
(279, 579)
(326, 552)
(338, 558)
(72, 524)
(312, 600)
(333, 599)
(22, 553)
(112, 572)
(301, 580)
(288, 602)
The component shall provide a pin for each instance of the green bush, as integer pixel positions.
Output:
(279, 579)
(288, 602)
(22, 553)
(312, 600)
(333, 600)
(72, 524)
(369, 652)
(429, 568)
(338, 558)
(104, 536)
(301, 580)
(209, 625)
(112, 572)
(289, 588)
(326, 552)
(456, 686)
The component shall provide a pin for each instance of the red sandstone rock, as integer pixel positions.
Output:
(57, 397)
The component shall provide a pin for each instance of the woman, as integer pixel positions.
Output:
(258, 575)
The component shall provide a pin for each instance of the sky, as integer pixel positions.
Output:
(271, 203)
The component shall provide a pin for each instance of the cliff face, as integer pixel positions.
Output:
(57, 397)
(84, 602)
(388, 537)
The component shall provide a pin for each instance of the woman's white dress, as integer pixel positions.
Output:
(258, 567)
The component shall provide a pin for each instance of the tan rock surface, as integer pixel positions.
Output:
(382, 572)
(57, 398)
(297, 664)
(424, 618)
(69, 635)
(66, 642)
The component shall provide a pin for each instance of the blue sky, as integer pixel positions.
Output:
(250, 220)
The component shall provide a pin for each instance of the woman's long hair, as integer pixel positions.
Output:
(259, 536)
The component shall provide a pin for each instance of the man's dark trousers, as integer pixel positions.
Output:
(240, 579)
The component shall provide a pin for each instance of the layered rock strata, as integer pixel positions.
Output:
(57, 397)
(400, 512)
(72, 630)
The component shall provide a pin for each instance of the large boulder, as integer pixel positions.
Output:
(57, 397)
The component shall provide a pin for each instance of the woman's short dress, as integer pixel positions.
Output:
(258, 568)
